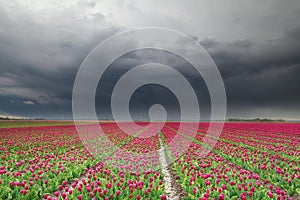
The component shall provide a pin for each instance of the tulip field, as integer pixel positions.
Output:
(249, 161)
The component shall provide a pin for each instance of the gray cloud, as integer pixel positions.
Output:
(254, 44)
(28, 102)
(40, 53)
(260, 74)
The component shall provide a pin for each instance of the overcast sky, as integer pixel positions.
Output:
(255, 45)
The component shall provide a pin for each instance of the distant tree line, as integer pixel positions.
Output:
(6, 118)
(256, 120)
(9, 118)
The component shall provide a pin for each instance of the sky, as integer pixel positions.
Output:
(255, 45)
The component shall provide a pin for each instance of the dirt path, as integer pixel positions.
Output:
(170, 191)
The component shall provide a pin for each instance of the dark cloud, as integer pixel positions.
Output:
(260, 74)
(41, 50)
(150, 94)
(248, 57)
(39, 58)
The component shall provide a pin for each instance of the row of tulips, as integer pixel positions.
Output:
(51, 162)
(276, 174)
(249, 161)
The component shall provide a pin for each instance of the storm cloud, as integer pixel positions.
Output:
(255, 45)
